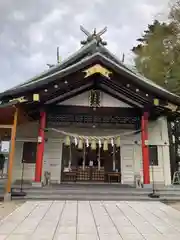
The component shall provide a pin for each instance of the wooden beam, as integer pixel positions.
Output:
(100, 111)
(61, 86)
(23, 116)
(104, 88)
(66, 90)
(12, 152)
(6, 126)
(70, 94)
(124, 90)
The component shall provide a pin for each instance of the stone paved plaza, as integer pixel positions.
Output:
(72, 220)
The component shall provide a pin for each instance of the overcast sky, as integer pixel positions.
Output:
(31, 30)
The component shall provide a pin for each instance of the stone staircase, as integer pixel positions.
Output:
(104, 192)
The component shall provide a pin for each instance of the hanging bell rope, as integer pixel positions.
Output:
(114, 159)
(87, 142)
(100, 144)
(75, 141)
(67, 141)
(70, 157)
(80, 144)
(118, 141)
(105, 145)
(93, 145)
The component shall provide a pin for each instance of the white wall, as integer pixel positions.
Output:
(158, 135)
(131, 152)
(165, 151)
(83, 100)
(52, 153)
(26, 132)
(52, 159)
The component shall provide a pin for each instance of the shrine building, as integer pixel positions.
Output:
(89, 118)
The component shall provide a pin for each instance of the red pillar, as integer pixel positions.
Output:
(145, 148)
(40, 147)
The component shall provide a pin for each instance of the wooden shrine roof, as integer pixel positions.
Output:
(92, 67)
(86, 55)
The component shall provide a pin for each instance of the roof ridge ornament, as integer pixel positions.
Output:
(97, 68)
(94, 35)
(58, 59)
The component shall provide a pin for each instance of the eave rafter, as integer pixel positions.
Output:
(119, 88)
(110, 78)
(72, 92)
(95, 76)
(49, 91)
(112, 92)
(71, 85)
(113, 89)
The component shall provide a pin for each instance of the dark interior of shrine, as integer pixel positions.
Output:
(91, 165)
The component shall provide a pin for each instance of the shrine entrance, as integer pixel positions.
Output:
(91, 140)
(91, 165)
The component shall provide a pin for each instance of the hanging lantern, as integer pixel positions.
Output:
(67, 141)
(105, 146)
(80, 144)
(75, 141)
(100, 144)
(118, 142)
(112, 142)
(93, 145)
(87, 142)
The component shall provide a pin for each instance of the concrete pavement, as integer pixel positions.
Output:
(84, 220)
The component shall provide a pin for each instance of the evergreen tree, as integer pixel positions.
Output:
(157, 54)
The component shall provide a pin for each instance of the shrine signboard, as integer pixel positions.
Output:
(65, 118)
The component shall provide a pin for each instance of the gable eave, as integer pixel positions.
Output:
(103, 50)
(74, 92)
(50, 78)
(141, 81)
(139, 77)
(119, 96)
(64, 64)
(119, 69)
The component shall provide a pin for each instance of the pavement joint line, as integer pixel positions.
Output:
(141, 220)
(177, 229)
(94, 220)
(112, 220)
(166, 212)
(59, 220)
(129, 220)
(161, 219)
(5, 218)
(76, 219)
(146, 220)
(41, 218)
(32, 210)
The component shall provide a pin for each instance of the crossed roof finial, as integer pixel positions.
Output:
(94, 35)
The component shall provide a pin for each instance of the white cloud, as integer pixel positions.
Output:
(54, 16)
(146, 11)
(31, 31)
(18, 16)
